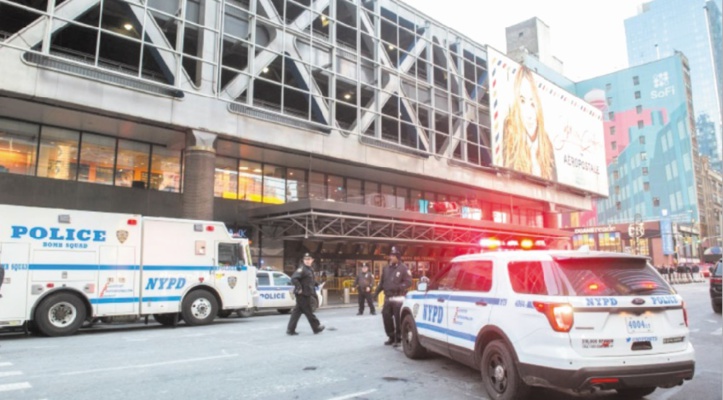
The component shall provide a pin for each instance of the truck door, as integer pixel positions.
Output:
(231, 277)
(14, 288)
(117, 289)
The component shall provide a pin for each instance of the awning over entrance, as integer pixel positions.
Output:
(328, 220)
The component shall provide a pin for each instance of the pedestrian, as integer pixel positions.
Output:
(304, 288)
(364, 283)
(395, 281)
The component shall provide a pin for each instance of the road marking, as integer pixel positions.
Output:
(353, 395)
(183, 361)
(14, 386)
(5, 364)
(10, 373)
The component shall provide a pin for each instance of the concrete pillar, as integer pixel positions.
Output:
(549, 220)
(198, 177)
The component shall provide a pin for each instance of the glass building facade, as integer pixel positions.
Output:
(693, 27)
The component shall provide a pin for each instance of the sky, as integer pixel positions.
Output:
(588, 36)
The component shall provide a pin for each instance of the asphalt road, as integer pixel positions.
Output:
(253, 358)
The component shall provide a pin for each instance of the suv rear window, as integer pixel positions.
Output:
(611, 277)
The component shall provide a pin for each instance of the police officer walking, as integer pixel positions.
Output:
(396, 279)
(364, 282)
(304, 288)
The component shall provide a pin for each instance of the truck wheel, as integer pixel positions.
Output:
(199, 308)
(314, 303)
(286, 310)
(499, 373)
(410, 340)
(634, 393)
(165, 319)
(60, 314)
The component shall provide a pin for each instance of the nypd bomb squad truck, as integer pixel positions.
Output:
(65, 267)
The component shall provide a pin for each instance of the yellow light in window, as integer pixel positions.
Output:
(347, 96)
(128, 26)
(265, 70)
(391, 47)
(324, 21)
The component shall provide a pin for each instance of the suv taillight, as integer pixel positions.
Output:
(685, 315)
(560, 315)
(716, 281)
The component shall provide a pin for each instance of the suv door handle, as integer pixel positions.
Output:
(440, 300)
(481, 303)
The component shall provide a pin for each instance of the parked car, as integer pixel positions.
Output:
(277, 292)
(576, 321)
(715, 287)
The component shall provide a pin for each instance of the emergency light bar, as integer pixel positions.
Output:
(492, 244)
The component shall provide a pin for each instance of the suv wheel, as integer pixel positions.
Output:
(410, 339)
(716, 306)
(499, 373)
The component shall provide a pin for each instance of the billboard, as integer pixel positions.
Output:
(543, 131)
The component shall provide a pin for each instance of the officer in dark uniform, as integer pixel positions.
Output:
(304, 288)
(396, 279)
(364, 283)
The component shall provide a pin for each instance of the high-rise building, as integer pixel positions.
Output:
(692, 27)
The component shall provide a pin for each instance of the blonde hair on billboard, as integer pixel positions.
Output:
(516, 150)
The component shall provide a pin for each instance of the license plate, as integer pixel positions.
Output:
(638, 325)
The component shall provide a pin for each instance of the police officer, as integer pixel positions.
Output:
(396, 279)
(304, 288)
(364, 282)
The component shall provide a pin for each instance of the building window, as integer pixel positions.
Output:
(296, 184)
(225, 181)
(610, 241)
(608, 87)
(613, 145)
(612, 131)
(166, 164)
(639, 109)
(132, 164)
(274, 184)
(641, 139)
(18, 143)
(616, 175)
(354, 191)
(643, 156)
(617, 189)
(618, 206)
(97, 161)
(335, 185)
(636, 80)
(58, 157)
(646, 186)
(611, 116)
(610, 101)
(645, 171)
(641, 125)
(656, 202)
(249, 181)
(637, 94)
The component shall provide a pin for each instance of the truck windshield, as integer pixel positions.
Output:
(228, 254)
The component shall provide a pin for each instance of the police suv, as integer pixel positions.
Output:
(576, 321)
(277, 292)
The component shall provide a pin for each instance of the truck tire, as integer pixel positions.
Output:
(60, 314)
(199, 308)
(499, 373)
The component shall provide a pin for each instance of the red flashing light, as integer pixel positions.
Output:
(593, 287)
(50, 285)
(201, 279)
(491, 243)
(209, 228)
(132, 222)
(559, 315)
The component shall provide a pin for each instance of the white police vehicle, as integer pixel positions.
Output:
(575, 321)
(277, 292)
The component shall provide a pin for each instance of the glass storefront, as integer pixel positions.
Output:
(87, 157)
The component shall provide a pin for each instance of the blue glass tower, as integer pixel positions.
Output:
(692, 27)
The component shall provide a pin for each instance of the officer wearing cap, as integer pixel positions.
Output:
(304, 288)
(396, 279)
(364, 282)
